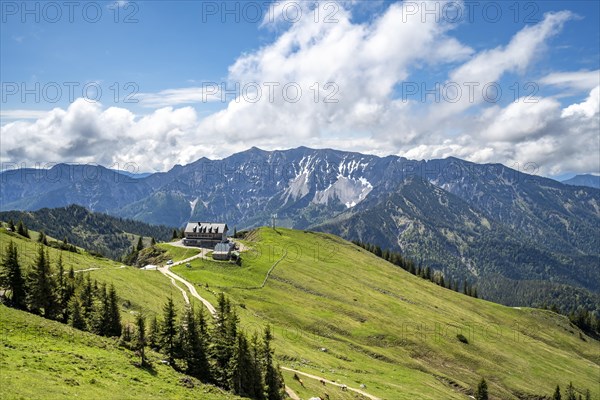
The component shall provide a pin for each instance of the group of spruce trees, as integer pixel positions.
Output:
(570, 393)
(20, 229)
(218, 353)
(64, 245)
(132, 257)
(54, 294)
(427, 273)
(587, 321)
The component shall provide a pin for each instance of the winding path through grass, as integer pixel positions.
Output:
(291, 393)
(340, 385)
(165, 270)
(264, 281)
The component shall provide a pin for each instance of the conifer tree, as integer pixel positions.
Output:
(11, 278)
(126, 334)
(482, 390)
(274, 386)
(76, 319)
(193, 347)
(202, 325)
(40, 287)
(377, 251)
(235, 368)
(100, 319)
(588, 395)
(232, 327)
(557, 395)
(139, 342)
(411, 268)
(153, 334)
(175, 234)
(258, 386)
(222, 341)
(113, 327)
(571, 392)
(21, 229)
(168, 331)
(386, 255)
(86, 299)
(427, 274)
(11, 225)
(242, 369)
(62, 291)
(70, 283)
(60, 275)
(140, 245)
(152, 241)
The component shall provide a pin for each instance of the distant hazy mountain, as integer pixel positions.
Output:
(94, 187)
(584, 180)
(134, 175)
(482, 222)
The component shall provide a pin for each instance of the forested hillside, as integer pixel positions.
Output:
(110, 236)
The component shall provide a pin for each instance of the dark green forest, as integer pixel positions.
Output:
(99, 233)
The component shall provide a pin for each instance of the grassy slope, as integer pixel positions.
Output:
(41, 359)
(178, 253)
(138, 290)
(312, 388)
(390, 330)
(366, 313)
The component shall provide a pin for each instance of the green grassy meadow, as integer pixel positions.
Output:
(342, 313)
(337, 311)
(42, 359)
(178, 253)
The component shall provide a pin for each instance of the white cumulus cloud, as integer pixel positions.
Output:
(347, 74)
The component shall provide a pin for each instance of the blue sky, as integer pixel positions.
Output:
(166, 54)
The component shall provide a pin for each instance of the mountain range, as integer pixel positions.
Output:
(524, 239)
(584, 180)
